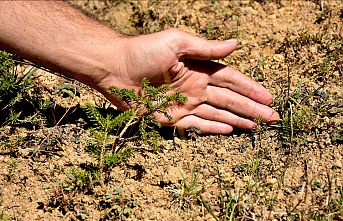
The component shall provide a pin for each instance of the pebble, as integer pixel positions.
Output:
(272, 181)
(338, 163)
(246, 178)
(273, 16)
(279, 58)
(178, 142)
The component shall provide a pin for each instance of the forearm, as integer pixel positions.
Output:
(55, 35)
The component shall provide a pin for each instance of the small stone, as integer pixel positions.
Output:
(313, 50)
(244, 2)
(279, 58)
(239, 184)
(267, 51)
(338, 163)
(24, 152)
(178, 142)
(336, 110)
(222, 171)
(273, 16)
(246, 178)
(326, 119)
(272, 181)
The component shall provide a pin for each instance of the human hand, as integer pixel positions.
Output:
(219, 97)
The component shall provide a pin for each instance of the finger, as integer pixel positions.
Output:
(208, 112)
(223, 76)
(206, 126)
(240, 83)
(190, 46)
(226, 99)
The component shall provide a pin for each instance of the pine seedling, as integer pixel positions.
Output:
(109, 132)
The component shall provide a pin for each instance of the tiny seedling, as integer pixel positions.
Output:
(116, 205)
(187, 193)
(109, 132)
(12, 166)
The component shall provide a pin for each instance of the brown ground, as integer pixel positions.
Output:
(269, 177)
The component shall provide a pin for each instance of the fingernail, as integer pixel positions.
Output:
(232, 41)
(254, 126)
(274, 118)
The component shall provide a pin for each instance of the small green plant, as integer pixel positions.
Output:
(19, 100)
(152, 100)
(229, 205)
(66, 203)
(257, 72)
(109, 131)
(12, 166)
(66, 89)
(9, 142)
(81, 179)
(332, 211)
(188, 192)
(2, 216)
(116, 205)
(296, 109)
(6, 61)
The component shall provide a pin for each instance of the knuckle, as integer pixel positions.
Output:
(175, 34)
(176, 41)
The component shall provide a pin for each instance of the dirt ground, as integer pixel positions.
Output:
(289, 171)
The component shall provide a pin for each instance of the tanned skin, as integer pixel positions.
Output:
(57, 36)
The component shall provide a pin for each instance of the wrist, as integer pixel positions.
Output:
(92, 61)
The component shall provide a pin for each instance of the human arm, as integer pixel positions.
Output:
(53, 34)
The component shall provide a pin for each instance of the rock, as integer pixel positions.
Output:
(272, 181)
(268, 51)
(239, 184)
(338, 164)
(246, 178)
(326, 119)
(279, 58)
(272, 17)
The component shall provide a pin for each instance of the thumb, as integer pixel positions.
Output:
(198, 48)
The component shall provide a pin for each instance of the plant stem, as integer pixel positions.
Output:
(128, 124)
(101, 160)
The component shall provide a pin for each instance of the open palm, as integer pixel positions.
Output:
(219, 97)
